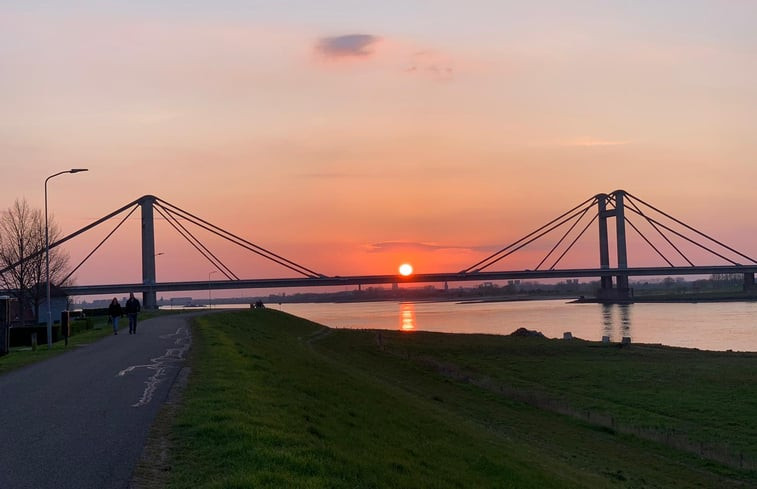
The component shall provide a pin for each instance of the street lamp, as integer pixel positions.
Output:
(210, 303)
(47, 258)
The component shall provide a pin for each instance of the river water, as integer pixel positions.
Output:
(705, 325)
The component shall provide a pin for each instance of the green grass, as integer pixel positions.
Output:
(705, 397)
(276, 401)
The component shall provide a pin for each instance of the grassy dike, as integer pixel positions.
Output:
(277, 401)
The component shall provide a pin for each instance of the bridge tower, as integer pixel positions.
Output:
(621, 289)
(149, 299)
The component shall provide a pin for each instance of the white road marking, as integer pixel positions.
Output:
(161, 364)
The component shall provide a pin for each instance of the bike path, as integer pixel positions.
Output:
(80, 420)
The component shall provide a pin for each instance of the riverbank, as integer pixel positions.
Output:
(673, 298)
(277, 401)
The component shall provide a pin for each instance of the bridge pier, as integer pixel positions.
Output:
(621, 291)
(749, 284)
(149, 298)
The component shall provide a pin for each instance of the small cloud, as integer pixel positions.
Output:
(595, 142)
(431, 64)
(388, 246)
(350, 45)
(328, 175)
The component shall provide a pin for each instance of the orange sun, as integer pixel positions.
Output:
(406, 269)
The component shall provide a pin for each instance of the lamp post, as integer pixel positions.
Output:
(47, 258)
(210, 303)
(157, 305)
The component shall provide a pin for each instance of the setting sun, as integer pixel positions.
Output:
(406, 269)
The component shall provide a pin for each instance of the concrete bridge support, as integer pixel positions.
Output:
(149, 299)
(621, 290)
(604, 248)
(749, 285)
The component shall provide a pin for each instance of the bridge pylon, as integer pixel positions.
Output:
(620, 290)
(149, 297)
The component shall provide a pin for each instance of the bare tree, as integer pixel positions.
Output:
(22, 255)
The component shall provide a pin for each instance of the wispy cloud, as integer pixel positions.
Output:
(389, 246)
(431, 64)
(347, 46)
(594, 142)
(329, 175)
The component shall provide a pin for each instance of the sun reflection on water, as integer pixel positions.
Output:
(407, 316)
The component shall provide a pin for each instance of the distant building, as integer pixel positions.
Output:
(58, 303)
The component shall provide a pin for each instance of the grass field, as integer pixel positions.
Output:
(276, 401)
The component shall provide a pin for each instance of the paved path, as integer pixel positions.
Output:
(80, 420)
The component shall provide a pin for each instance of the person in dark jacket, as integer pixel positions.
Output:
(115, 312)
(132, 309)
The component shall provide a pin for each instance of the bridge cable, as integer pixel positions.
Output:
(544, 233)
(690, 240)
(212, 259)
(70, 236)
(243, 242)
(187, 235)
(239, 241)
(636, 209)
(197, 245)
(492, 262)
(574, 241)
(235, 242)
(492, 256)
(100, 244)
(562, 238)
(696, 231)
(648, 242)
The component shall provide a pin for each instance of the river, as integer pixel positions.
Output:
(704, 325)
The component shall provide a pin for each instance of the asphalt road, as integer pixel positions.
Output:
(80, 420)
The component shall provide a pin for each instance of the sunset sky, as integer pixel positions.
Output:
(354, 136)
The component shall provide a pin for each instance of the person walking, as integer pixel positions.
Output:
(132, 309)
(115, 312)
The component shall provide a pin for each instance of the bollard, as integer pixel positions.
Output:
(65, 325)
(34, 341)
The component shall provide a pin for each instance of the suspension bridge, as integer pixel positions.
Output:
(670, 236)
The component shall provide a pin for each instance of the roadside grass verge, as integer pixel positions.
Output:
(277, 401)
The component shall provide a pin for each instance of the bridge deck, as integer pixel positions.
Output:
(273, 283)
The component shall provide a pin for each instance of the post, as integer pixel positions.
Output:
(47, 261)
(149, 296)
(210, 300)
(47, 280)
